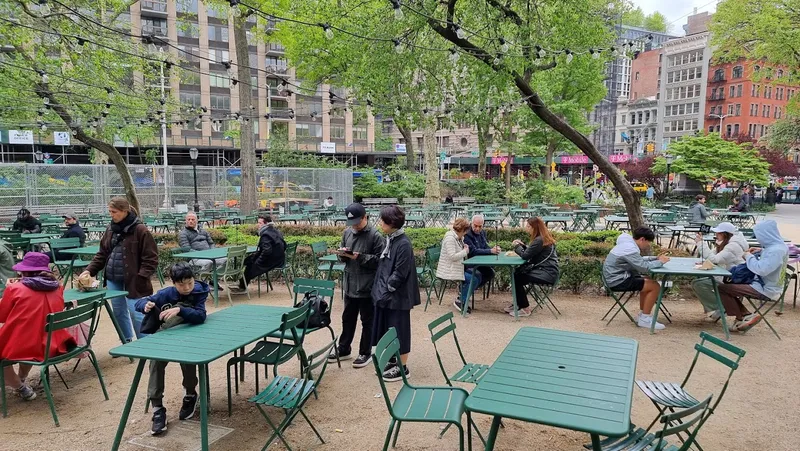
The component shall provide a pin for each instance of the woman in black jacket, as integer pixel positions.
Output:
(396, 289)
(541, 263)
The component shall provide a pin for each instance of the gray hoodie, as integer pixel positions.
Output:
(698, 213)
(625, 261)
(771, 262)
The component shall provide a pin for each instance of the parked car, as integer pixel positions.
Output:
(639, 187)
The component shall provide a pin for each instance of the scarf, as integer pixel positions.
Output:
(264, 228)
(124, 225)
(44, 282)
(395, 234)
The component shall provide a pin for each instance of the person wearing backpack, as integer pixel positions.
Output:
(768, 264)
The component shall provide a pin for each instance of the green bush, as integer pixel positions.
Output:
(578, 272)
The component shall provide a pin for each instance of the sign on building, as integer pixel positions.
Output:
(400, 148)
(20, 137)
(61, 138)
(327, 147)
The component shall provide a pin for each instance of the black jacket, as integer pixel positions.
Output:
(540, 261)
(359, 273)
(75, 231)
(396, 285)
(271, 253)
(27, 225)
(477, 242)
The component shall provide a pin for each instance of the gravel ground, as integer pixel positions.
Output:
(761, 400)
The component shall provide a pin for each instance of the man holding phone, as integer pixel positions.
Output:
(359, 251)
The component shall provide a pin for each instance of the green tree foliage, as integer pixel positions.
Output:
(760, 29)
(281, 154)
(784, 135)
(655, 21)
(708, 157)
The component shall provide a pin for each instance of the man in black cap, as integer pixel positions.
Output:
(360, 249)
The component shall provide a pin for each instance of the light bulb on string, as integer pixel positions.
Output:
(46, 100)
(44, 127)
(569, 55)
(541, 52)
(614, 52)
(398, 11)
(314, 116)
(44, 8)
(74, 132)
(504, 45)
(328, 30)
(460, 33)
(454, 55)
(595, 54)
(398, 46)
(496, 60)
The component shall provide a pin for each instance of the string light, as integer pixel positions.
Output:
(496, 60)
(314, 116)
(504, 47)
(541, 52)
(569, 55)
(594, 54)
(327, 29)
(454, 55)
(398, 11)
(398, 46)
(460, 33)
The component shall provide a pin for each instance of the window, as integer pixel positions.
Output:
(767, 92)
(735, 129)
(765, 111)
(756, 68)
(753, 109)
(737, 72)
(337, 112)
(190, 98)
(217, 33)
(219, 55)
(732, 91)
(188, 29)
(219, 80)
(738, 90)
(189, 53)
(779, 93)
(719, 74)
(778, 112)
(276, 65)
(637, 75)
(308, 130)
(189, 77)
(730, 109)
(186, 6)
(220, 102)
(420, 142)
(218, 12)
(154, 26)
(337, 132)
(360, 133)
(728, 130)
(159, 6)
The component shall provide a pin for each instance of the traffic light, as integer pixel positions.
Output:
(553, 167)
(651, 147)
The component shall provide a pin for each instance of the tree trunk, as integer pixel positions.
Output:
(405, 130)
(249, 200)
(483, 131)
(548, 159)
(433, 193)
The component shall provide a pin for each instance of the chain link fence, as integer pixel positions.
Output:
(47, 188)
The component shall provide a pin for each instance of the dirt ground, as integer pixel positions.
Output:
(757, 413)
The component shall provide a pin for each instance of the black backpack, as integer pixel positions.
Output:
(320, 311)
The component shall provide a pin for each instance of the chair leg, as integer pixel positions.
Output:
(47, 391)
(277, 432)
(61, 377)
(460, 436)
(388, 435)
(396, 433)
(336, 348)
(228, 383)
(3, 391)
(312, 426)
(93, 359)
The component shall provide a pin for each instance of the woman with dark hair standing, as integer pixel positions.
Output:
(129, 256)
(396, 289)
(541, 263)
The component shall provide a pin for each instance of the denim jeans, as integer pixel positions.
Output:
(129, 320)
(468, 275)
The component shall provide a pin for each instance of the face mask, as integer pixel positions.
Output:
(718, 242)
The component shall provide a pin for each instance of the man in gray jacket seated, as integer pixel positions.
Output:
(192, 237)
(624, 267)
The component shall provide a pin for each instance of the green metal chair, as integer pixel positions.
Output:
(541, 294)
(418, 404)
(470, 373)
(670, 396)
(66, 268)
(320, 249)
(272, 353)
(290, 394)
(787, 279)
(286, 270)
(618, 297)
(56, 322)
(234, 269)
(427, 272)
(687, 421)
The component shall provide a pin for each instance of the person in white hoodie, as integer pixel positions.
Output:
(768, 263)
(625, 267)
(729, 251)
(451, 266)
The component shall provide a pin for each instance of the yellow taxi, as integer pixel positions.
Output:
(639, 187)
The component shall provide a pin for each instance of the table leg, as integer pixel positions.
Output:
(596, 442)
(492, 437)
(114, 321)
(465, 303)
(215, 277)
(127, 410)
(720, 309)
(657, 307)
(203, 408)
(514, 294)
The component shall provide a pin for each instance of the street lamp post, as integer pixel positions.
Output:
(193, 155)
(720, 117)
(669, 159)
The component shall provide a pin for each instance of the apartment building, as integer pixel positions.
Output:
(204, 37)
(637, 114)
(742, 108)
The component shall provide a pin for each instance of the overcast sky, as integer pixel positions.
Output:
(676, 10)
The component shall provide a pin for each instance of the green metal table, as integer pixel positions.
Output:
(212, 254)
(222, 333)
(494, 260)
(570, 380)
(685, 267)
(560, 219)
(78, 251)
(76, 295)
(615, 222)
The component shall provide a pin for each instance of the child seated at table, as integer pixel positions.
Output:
(183, 302)
(624, 268)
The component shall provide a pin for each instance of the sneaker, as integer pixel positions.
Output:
(26, 392)
(332, 357)
(521, 312)
(187, 409)
(509, 309)
(159, 421)
(647, 320)
(748, 322)
(713, 316)
(361, 361)
(393, 374)
(457, 304)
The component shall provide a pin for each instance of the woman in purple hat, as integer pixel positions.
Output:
(24, 308)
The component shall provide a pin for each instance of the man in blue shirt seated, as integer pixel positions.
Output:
(479, 245)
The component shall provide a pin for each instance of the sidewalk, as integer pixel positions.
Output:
(788, 218)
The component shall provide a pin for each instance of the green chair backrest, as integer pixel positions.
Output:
(721, 351)
(67, 318)
(324, 288)
(10, 234)
(65, 243)
(388, 346)
(681, 422)
(236, 256)
(437, 333)
(317, 360)
(291, 251)
(290, 321)
(320, 248)
(433, 253)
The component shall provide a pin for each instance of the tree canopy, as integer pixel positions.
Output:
(654, 21)
(784, 135)
(708, 157)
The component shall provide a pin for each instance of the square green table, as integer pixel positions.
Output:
(685, 267)
(614, 222)
(562, 219)
(76, 295)
(494, 260)
(222, 333)
(212, 254)
(570, 380)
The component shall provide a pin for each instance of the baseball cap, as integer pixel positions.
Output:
(69, 216)
(724, 227)
(354, 213)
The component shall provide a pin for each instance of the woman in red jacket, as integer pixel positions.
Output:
(23, 312)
